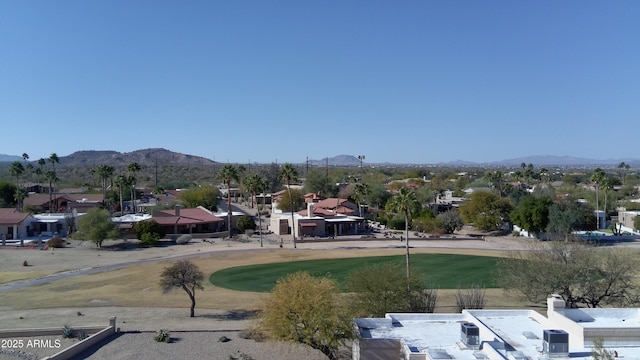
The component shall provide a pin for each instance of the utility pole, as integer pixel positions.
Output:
(156, 158)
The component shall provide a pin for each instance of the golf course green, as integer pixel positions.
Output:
(441, 271)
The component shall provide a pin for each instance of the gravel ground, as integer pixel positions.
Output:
(33, 348)
(197, 345)
(192, 338)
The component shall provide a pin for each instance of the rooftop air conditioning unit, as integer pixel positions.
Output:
(555, 343)
(470, 334)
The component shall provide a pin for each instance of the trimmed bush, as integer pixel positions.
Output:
(245, 223)
(150, 239)
(148, 226)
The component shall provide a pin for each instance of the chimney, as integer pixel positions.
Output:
(178, 210)
(310, 209)
(554, 303)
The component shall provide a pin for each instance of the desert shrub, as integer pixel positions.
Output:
(149, 226)
(81, 335)
(223, 339)
(56, 242)
(162, 336)
(245, 223)
(183, 239)
(25, 263)
(427, 225)
(253, 334)
(396, 223)
(67, 332)
(150, 239)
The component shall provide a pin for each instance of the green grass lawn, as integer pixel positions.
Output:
(444, 271)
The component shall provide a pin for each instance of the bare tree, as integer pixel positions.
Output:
(471, 298)
(582, 274)
(183, 275)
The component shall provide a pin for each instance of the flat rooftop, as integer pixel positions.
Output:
(512, 334)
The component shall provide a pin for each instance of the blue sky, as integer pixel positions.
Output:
(260, 81)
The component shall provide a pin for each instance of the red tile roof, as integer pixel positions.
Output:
(187, 216)
(10, 216)
(332, 203)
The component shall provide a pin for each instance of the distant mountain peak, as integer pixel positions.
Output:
(338, 160)
(143, 157)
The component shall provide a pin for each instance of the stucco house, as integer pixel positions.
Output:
(318, 221)
(188, 221)
(64, 202)
(14, 224)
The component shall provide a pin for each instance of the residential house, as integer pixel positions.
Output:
(627, 219)
(329, 217)
(14, 224)
(188, 221)
(63, 202)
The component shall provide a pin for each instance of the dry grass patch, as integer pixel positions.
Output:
(137, 286)
(9, 276)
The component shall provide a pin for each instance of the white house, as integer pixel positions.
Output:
(500, 334)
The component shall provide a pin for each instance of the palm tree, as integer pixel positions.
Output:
(228, 174)
(16, 169)
(27, 166)
(255, 184)
(289, 174)
(104, 172)
(406, 203)
(19, 196)
(122, 182)
(360, 192)
(625, 167)
(50, 175)
(598, 177)
(53, 179)
(133, 168)
(495, 180)
(40, 170)
(53, 159)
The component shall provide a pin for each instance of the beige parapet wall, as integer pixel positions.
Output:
(99, 333)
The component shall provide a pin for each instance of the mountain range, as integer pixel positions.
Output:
(167, 157)
(107, 157)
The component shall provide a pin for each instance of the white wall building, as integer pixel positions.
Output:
(500, 334)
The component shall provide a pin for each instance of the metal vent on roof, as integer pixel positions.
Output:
(555, 342)
(439, 354)
(470, 334)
